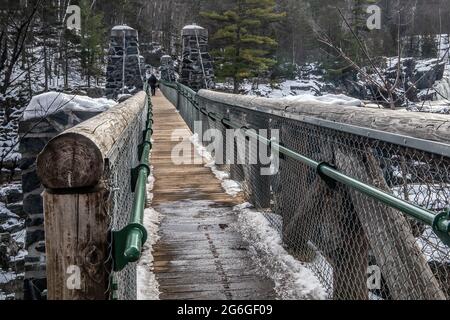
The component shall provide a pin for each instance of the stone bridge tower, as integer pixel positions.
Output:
(167, 69)
(196, 66)
(125, 73)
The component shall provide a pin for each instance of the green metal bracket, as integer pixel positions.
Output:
(123, 253)
(145, 133)
(141, 148)
(331, 183)
(441, 226)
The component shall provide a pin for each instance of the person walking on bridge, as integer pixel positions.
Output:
(153, 82)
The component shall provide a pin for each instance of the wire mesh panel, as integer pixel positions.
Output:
(121, 160)
(343, 234)
(358, 247)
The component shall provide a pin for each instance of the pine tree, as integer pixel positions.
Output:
(429, 46)
(294, 34)
(92, 41)
(245, 39)
(359, 27)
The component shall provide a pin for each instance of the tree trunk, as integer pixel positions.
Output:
(236, 86)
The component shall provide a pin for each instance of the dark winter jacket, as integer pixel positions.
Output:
(153, 81)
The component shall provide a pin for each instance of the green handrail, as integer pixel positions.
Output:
(439, 222)
(129, 241)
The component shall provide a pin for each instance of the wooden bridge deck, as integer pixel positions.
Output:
(200, 254)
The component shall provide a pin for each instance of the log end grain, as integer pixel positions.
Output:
(70, 161)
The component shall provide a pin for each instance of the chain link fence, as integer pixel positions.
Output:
(121, 160)
(358, 247)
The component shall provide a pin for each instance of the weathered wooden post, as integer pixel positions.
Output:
(35, 133)
(75, 168)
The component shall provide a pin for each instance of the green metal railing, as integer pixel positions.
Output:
(439, 222)
(128, 242)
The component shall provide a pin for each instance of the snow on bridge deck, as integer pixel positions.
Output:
(200, 255)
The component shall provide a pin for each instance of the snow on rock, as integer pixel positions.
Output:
(6, 277)
(293, 281)
(280, 90)
(328, 99)
(10, 193)
(442, 87)
(440, 107)
(427, 65)
(9, 222)
(52, 102)
(309, 87)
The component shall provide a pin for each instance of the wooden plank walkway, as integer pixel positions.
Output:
(200, 255)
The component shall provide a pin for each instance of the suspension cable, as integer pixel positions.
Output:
(201, 59)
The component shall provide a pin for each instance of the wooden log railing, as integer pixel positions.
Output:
(75, 168)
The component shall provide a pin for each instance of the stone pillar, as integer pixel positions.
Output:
(35, 134)
(167, 69)
(197, 70)
(125, 73)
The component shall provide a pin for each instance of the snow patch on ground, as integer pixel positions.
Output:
(293, 281)
(51, 102)
(4, 296)
(147, 285)
(231, 187)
